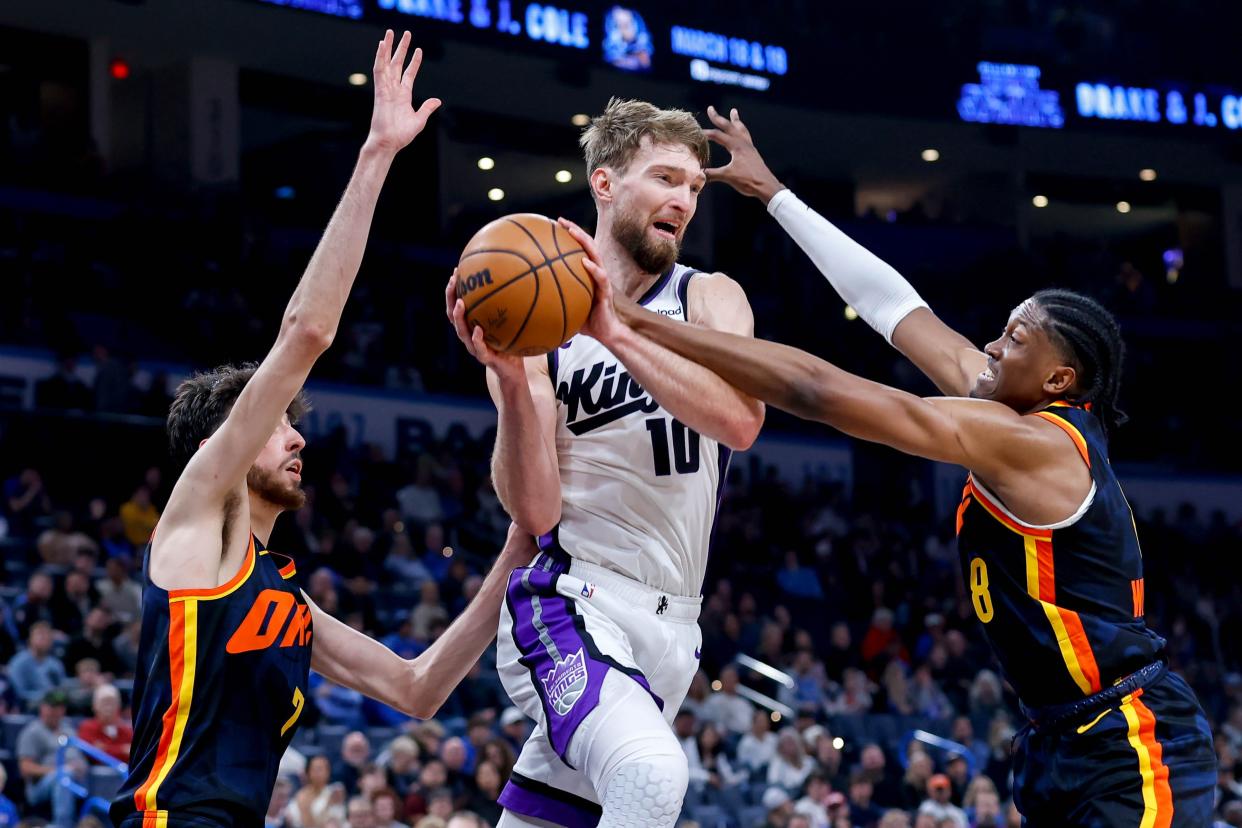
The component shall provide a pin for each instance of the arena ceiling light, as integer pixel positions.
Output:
(358, 79)
(1147, 174)
(580, 120)
(1123, 206)
(930, 154)
(486, 163)
(495, 194)
(1040, 201)
(564, 176)
(850, 313)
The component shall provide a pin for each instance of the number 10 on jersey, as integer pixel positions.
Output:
(684, 454)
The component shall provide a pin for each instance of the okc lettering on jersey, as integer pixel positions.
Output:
(619, 395)
(265, 621)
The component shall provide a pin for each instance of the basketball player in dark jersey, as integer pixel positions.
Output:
(1048, 544)
(227, 640)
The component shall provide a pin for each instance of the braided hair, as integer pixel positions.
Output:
(1090, 338)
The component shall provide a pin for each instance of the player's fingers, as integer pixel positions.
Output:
(716, 118)
(481, 349)
(602, 288)
(382, 52)
(411, 71)
(582, 237)
(403, 45)
(429, 106)
(719, 137)
(450, 295)
(460, 326)
(716, 173)
(736, 117)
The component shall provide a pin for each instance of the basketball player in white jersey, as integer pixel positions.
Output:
(613, 451)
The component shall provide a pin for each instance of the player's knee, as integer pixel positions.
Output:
(646, 790)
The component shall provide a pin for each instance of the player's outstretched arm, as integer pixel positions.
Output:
(987, 437)
(695, 396)
(314, 311)
(882, 297)
(525, 470)
(418, 686)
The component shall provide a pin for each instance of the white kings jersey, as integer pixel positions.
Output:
(639, 489)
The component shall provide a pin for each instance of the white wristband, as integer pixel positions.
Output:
(879, 293)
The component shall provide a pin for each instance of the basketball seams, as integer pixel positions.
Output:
(529, 312)
(559, 292)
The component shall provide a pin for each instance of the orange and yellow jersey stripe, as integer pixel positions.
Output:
(220, 686)
(1061, 605)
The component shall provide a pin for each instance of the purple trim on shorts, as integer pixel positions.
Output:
(566, 667)
(521, 797)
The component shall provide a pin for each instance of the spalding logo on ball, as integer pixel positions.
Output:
(522, 280)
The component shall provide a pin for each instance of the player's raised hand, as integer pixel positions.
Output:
(455, 310)
(746, 171)
(394, 120)
(519, 548)
(602, 322)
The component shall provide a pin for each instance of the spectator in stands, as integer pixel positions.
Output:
(337, 704)
(880, 638)
(456, 761)
(72, 602)
(958, 772)
(106, 729)
(95, 641)
(428, 610)
(486, 789)
(429, 735)
(927, 697)
(501, 754)
(886, 788)
(514, 727)
(432, 777)
(840, 654)
(8, 811)
(800, 821)
(897, 692)
(919, 770)
(797, 580)
(1000, 759)
(139, 516)
(319, 799)
(401, 764)
(37, 745)
(359, 813)
(809, 681)
(777, 803)
(387, 807)
(355, 755)
(853, 698)
(697, 695)
(125, 645)
(402, 563)
(757, 748)
(894, 819)
(725, 708)
(985, 694)
(814, 801)
(35, 604)
(81, 688)
(862, 809)
(59, 544)
(27, 502)
(963, 732)
(282, 792)
(35, 670)
(790, 768)
(440, 804)
(982, 804)
(419, 500)
(938, 804)
(119, 593)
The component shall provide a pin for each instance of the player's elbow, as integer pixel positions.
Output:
(745, 428)
(423, 700)
(311, 335)
(537, 518)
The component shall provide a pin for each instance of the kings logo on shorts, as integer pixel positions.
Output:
(566, 682)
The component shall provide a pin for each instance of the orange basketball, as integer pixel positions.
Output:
(522, 280)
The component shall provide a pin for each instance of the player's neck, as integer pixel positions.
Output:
(627, 277)
(262, 518)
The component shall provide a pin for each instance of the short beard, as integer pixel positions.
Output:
(630, 231)
(267, 485)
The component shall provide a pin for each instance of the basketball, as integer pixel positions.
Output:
(522, 280)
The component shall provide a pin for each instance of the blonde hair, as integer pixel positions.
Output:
(615, 136)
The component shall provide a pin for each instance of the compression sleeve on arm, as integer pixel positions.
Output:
(879, 293)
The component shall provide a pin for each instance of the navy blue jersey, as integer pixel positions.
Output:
(1061, 605)
(219, 689)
